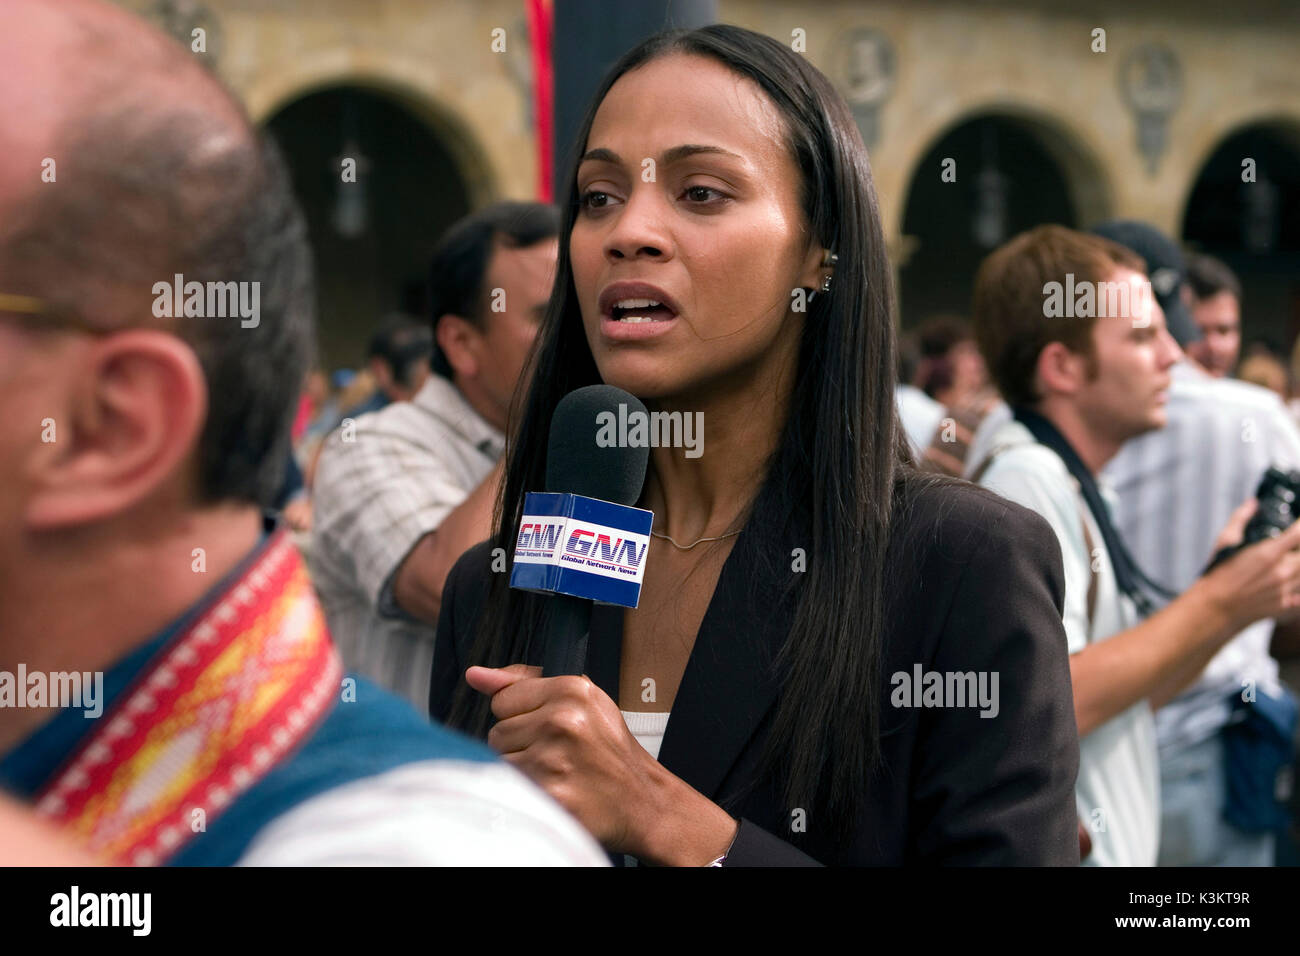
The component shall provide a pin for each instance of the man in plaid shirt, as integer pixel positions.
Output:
(401, 493)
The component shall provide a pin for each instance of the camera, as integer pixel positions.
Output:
(1279, 499)
(1278, 494)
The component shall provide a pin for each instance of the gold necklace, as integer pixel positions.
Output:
(687, 547)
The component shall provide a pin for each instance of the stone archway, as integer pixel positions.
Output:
(372, 232)
(1244, 208)
(986, 177)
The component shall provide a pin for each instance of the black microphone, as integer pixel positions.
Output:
(576, 464)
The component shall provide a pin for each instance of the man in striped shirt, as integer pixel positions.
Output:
(1082, 384)
(1176, 488)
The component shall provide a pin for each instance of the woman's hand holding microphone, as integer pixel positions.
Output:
(569, 738)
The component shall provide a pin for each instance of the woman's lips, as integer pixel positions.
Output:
(619, 331)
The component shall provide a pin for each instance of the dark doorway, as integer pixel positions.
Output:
(1254, 227)
(372, 238)
(1007, 181)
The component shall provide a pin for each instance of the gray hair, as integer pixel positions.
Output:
(146, 191)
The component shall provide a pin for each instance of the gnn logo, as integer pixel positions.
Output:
(541, 538)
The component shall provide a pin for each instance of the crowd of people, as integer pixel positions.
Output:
(1065, 509)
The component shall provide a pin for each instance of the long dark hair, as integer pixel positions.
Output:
(840, 457)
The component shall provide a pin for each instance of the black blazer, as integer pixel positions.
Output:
(975, 584)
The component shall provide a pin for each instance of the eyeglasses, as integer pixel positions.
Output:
(40, 315)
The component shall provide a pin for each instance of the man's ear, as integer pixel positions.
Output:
(1059, 370)
(459, 339)
(136, 415)
(382, 373)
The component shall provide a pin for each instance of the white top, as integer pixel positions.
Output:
(430, 813)
(647, 728)
(1117, 793)
(920, 415)
(981, 442)
(1177, 487)
(381, 485)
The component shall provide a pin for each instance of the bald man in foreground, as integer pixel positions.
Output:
(168, 690)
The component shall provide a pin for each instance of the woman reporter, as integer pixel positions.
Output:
(802, 569)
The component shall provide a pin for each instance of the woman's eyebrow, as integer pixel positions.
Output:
(682, 152)
(675, 154)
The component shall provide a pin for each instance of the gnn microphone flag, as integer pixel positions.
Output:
(584, 547)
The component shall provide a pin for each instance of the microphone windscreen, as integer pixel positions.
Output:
(576, 462)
